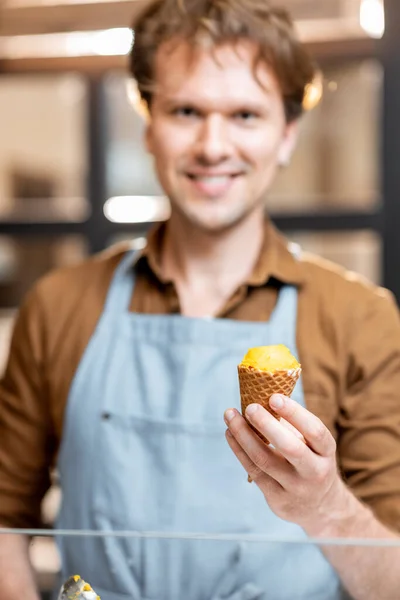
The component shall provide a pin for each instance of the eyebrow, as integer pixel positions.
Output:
(233, 106)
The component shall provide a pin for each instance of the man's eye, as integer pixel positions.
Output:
(185, 111)
(245, 115)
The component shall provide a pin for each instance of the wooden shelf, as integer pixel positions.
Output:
(66, 17)
(22, 49)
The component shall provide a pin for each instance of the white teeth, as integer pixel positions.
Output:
(212, 179)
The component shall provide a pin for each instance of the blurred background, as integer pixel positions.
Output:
(74, 177)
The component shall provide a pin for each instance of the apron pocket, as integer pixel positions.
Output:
(165, 475)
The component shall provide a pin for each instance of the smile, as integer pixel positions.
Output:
(212, 185)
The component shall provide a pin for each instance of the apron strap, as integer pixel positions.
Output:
(122, 284)
(286, 312)
(286, 307)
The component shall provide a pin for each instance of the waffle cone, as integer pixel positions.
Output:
(257, 386)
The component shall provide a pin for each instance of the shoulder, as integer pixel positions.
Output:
(335, 287)
(66, 303)
(348, 332)
(87, 278)
(345, 310)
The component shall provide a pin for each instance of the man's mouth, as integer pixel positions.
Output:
(213, 185)
(214, 177)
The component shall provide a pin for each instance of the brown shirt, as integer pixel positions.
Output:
(348, 336)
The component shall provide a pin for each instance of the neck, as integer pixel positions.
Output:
(206, 267)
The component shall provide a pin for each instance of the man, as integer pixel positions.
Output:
(121, 368)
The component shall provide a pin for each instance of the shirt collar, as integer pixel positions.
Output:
(275, 260)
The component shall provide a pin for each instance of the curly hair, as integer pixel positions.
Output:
(221, 22)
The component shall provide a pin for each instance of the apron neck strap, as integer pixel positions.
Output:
(287, 305)
(122, 284)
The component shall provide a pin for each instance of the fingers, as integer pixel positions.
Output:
(290, 427)
(255, 473)
(284, 441)
(317, 436)
(255, 456)
(303, 458)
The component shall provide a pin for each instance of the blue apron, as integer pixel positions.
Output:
(144, 449)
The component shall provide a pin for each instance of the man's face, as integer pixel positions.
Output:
(217, 134)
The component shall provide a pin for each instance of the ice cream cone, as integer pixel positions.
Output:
(260, 380)
(257, 386)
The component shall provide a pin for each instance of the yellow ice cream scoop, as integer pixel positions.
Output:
(270, 358)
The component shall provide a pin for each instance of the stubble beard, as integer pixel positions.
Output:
(216, 225)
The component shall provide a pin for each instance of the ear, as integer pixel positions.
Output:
(288, 143)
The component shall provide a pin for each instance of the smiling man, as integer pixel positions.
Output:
(122, 368)
(217, 132)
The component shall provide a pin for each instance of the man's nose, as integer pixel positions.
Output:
(213, 143)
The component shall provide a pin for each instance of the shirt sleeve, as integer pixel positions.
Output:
(369, 419)
(25, 425)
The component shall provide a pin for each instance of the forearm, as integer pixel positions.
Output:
(16, 576)
(367, 572)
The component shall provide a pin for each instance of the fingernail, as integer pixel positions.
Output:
(229, 414)
(251, 409)
(276, 401)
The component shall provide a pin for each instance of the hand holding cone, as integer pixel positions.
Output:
(264, 371)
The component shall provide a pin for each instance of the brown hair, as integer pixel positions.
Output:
(224, 21)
